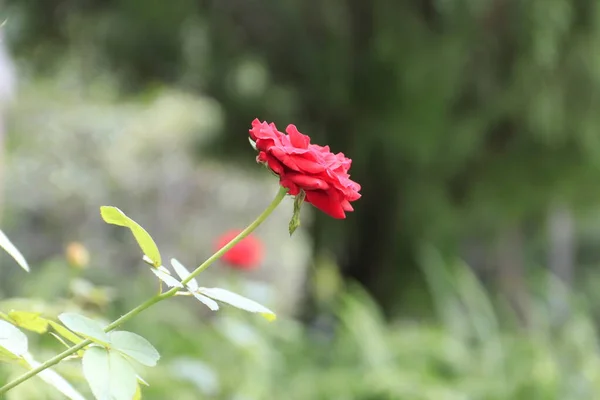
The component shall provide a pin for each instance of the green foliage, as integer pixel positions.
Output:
(207, 295)
(472, 352)
(109, 374)
(108, 363)
(55, 380)
(192, 285)
(13, 342)
(10, 248)
(107, 368)
(237, 301)
(363, 357)
(113, 215)
(34, 322)
(134, 346)
(459, 116)
(14, 349)
(28, 320)
(85, 326)
(65, 333)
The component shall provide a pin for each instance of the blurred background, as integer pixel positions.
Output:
(469, 269)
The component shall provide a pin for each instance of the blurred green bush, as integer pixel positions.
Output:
(75, 143)
(466, 120)
(469, 354)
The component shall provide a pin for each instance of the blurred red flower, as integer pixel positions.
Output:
(304, 166)
(247, 254)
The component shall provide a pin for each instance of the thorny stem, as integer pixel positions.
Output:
(152, 301)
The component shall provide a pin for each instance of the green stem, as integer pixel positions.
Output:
(72, 350)
(278, 198)
(152, 301)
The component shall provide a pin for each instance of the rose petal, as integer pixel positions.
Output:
(326, 202)
(262, 131)
(284, 158)
(288, 183)
(308, 182)
(264, 144)
(306, 165)
(274, 165)
(347, 206)
(296, 138)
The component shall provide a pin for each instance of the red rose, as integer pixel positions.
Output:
(246, 254)
(304, 166)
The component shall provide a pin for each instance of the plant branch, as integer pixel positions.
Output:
(152, 301)
(278, 198)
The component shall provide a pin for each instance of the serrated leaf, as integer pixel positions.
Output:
(134, 346)
(110, 376)
(12, 339)
(183, 274)
(208, 302)
(29, 320)
(65, 333)
(54, 379)
(163, 274)
(238, 301)
(10, 248)
(114, 216)
(85, 326)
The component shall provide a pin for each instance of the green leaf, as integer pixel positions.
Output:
(85, 326)
(114, 216)
(138, 393)
(207, 301)
(183, 273)
(141, 381)
(252, 143)
(12, 339)
(238, 301)
(65, 333)
(134, 346)
(9, 358)
(29, 320)
(192, 285)
(53, 379)
(10, 248)
(61, 340)
(163, 274)
(295, 221)
(110, 376)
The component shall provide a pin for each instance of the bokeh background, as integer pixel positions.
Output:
(469, 269)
